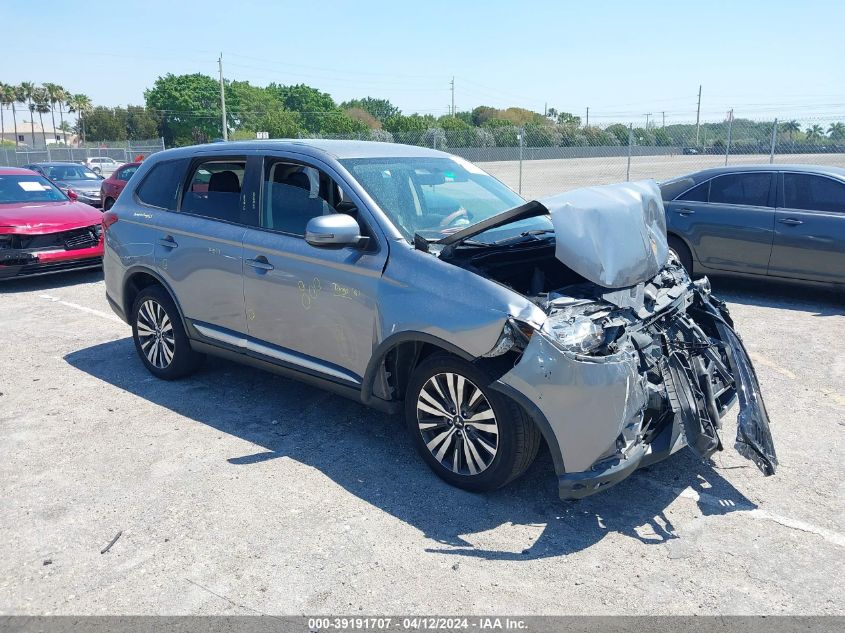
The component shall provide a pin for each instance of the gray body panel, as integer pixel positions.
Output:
(333, 313)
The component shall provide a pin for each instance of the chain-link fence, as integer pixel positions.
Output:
(538, 160)
(122, 151)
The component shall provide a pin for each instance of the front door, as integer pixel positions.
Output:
(310, 307)
(809, 240)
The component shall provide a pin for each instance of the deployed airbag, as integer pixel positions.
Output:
(613, 235)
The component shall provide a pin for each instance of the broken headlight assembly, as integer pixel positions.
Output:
(578, 334)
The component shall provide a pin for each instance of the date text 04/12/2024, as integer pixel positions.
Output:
(415, 623)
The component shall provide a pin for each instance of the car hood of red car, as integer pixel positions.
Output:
(36, 218)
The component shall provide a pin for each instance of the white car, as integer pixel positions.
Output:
(102, 165)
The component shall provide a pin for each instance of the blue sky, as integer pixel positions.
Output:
(622, 59)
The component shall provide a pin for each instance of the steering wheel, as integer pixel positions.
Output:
(450, 219)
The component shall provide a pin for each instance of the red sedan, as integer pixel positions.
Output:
(42, 230)
(111, 187)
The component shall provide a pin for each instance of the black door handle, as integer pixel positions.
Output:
(790, 221)
(168, 242)
(260, 263)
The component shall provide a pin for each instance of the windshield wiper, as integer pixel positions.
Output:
(516, 239)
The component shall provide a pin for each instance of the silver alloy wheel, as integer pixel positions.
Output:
(457, 424)
(155, 334)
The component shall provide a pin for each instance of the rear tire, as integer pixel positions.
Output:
(159, 335)
(485, 441)
(682, 253)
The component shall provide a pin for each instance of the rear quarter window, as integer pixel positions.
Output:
(160, 187)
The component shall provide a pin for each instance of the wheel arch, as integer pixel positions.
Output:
(396, 357)
(139, 278)
(671, 235)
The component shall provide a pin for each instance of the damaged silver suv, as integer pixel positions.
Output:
(414, 282)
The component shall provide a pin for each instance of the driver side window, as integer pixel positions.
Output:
(294, 194)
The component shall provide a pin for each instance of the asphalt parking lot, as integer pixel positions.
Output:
(240, 492)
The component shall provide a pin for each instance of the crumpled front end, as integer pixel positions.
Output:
(627, 377)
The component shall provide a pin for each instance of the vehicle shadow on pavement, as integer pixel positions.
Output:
(50, 282)
(369, 455)
(818, 301)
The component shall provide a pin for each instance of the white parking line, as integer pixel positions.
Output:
(756, 513)
(76, 306)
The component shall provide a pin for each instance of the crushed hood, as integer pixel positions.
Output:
(613, 235)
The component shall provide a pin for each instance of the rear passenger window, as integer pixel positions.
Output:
(214, 190)
(814, 193)
(697, 194)
(746, 189)
(160, 186)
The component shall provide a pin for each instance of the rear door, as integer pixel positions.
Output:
(809, 240)
(728, 221)
(199, 248)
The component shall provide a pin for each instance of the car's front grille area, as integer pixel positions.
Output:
(69, 240)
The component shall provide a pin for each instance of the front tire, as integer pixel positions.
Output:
(470, 435)
(159, 335)
(108, 203)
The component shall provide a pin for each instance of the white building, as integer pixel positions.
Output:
(25, 133)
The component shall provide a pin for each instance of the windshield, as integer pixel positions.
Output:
(437, 196)
(70, 172)
(19, 188)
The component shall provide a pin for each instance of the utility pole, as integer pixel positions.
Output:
(453, 96)
(664, 119)
(223, 100)
(587, 124)
(697, 114)
(730, 131)
(647, 114)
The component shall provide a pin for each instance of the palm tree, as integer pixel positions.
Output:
(814, 132)
(836, 131)
(55, 94)
(27, 88)
(791, 127)
(20, 97)
(5, 92)
(81, 104)
(42, 106)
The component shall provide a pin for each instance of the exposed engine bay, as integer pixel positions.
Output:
(669, 346)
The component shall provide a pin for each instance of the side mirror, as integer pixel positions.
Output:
(337, 229)
(72, 195)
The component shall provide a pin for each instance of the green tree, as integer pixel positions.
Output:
(189, 107)
(141, 124)
(568, 119)
(620, 131)
(312, 105)
(81, 105)
(791, 127)
(56, 95)
(7, 97)
(381, 109)
(814, 133)
(482, 114)
(26, 90)
(105, 124)
(42, 106)
(836, 131)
